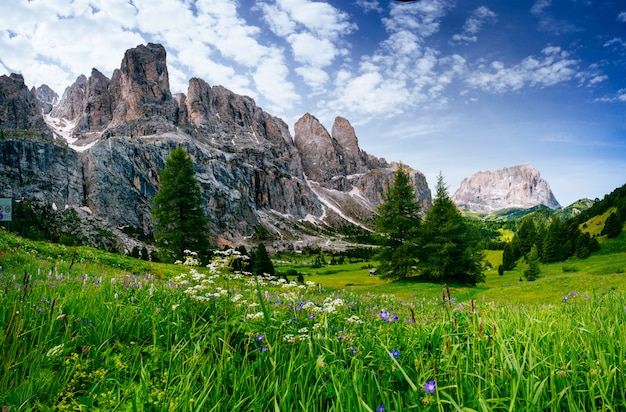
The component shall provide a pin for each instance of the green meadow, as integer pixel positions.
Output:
(85, 330)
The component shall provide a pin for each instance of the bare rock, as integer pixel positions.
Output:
(511, 187)
(71, 104)
(19, 107)
(47, 98)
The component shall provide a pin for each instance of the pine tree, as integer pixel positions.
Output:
(262, 263)
(552, 250)
(582, 246)
(449, 247)
(533, 270)
(178, 210)
(508, 260)
(612, 226)
(398, 219)
(524, 238)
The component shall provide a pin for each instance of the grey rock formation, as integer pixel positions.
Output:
(72, 101)
(119, 132)
(511, 187)
(47, 98)
(19, 107)
(336, 162)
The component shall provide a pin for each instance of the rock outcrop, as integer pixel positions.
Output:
(47, 98)
(518, 187)
(335, 162)
(112, 137)
(19, 107)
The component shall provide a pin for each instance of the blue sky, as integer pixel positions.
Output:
(441, 85)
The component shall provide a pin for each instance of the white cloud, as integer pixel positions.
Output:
(615, 41)
(620, 96)
(539, 6)
(313, 51)
(314, 32)
(474, 24)
(269, 79)
(622, 17)
(598, 79)
(369, 5)
(422, 18)
(554, 67)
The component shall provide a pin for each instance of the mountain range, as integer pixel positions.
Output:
(98, 149)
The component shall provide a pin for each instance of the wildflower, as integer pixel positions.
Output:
(430, 386)
(381, 408)
(259, 337)
(565, 298)
(395, 353)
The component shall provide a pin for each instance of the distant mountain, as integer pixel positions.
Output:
(517, 187)
(102, 145)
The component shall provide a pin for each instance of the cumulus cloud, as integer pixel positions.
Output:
(555, 66)
(369, 5)
(622, 17)
(314, 31)
(401, 73)
(473, 25)
(619, 97)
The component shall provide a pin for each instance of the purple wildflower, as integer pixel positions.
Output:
(381, 408)
(395, 353)
(430, 386)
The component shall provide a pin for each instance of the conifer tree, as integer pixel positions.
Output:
(178, 210)
(262, 263)
(533, 270)
(449, 247)
(398, 219)
(508, 260)
(612, 226)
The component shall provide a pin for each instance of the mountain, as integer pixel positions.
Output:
(517, 187)
(102, 145)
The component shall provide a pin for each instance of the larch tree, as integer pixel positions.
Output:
(180, 223)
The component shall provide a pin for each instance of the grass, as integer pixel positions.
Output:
(108, 332)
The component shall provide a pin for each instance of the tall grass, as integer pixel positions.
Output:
(204, 339)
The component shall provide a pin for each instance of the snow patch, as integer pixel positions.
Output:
(327, 203)
(63, 128)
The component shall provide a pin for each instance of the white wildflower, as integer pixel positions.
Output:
(257, 315)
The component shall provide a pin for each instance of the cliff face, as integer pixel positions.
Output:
(513, 187)
(19, 107)
(112, 136)
(335, 162)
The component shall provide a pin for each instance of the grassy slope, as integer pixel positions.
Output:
(89, 349)
(599, 273)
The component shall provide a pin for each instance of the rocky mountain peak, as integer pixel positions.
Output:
(47, 98)
(140, 92)
(511, 187)
(251, 170)
(71, 104)
(354, 160)
(19, 107)
(318, 150)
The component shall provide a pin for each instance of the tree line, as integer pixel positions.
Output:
(555, 240)
(438, 246)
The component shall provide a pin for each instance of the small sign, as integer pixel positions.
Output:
(6, 209)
